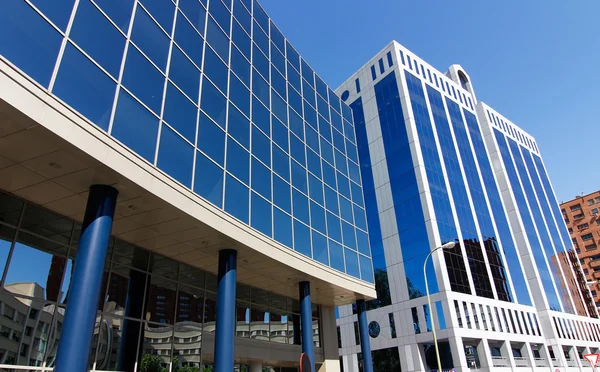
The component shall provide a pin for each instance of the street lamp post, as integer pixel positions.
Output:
(448, 245)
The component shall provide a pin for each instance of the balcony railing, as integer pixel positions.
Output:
(500, 361)
(555, 362)
(540, 362)
(572, 363)
(521, 362)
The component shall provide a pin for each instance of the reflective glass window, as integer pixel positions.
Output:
(308, 74)
(280, 135)
(277, 38)
(282, 224)
(209, 180)
(325, 129)
(317, 217)
(189, 40)
(28, 41)
(216, 70)
(300, 206)
(180, 113)
(320, 251)
(162, 11)
(302, 239)
(261, 39)
(309, 96)
(261, 17)
(143, 79)
(241, 39)
(261, 215)
(314, 163)
(242, 15)
(184, 74)
(359, 217)
(211, 139)
(260, 62)
(175, 156)
(299, 177)
(281, 194)
(346, 209)
(352, 154)
(238, 161)
(150, 39)
(343, 185)
(98, 37)
(281, 163)
(352, 263)
(366, 271)
(334, 229)
(293, 56)
(316, 189)
(348, 234)
(321, 88)
(59, 14)
(331, 200)
(336, 121)
(295, 101)
(357, 194)
(240, 66)
(278, 60)
(297, 125)
(329, 175)
(293, 77)
(135, 127)
(261, 146)
(239, 127)
(260, 88)
(261, 179)
(213, 103)
(236, 199)
(312, 139)
(279, 107)
(195, 12)
(326, 151)
(278, 83)
(221, 14)
(336, 255)
(261, 116)
(217, 39)
(340, 162)
(85, 87)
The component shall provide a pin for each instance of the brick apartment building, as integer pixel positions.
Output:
(582, 216)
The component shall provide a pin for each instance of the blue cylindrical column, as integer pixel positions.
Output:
(78, 326)
(225, 322)
(365, 341)
(306, 322)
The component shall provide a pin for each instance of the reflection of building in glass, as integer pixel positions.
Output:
(438, 166)
(582, 217)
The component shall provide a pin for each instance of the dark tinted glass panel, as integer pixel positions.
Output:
(143, 79)
(236, 199)
(28, 41)
(85, 87)
(175, 156)
(180, 113)
(135, 126)
(211, 139)
(98, 37)
(209, 180)
(213, 103)
(150, 39)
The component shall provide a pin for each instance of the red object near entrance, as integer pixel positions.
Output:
(305, 363)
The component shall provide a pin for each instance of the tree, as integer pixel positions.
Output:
(151, 363)
(382, 287)
(189, 369)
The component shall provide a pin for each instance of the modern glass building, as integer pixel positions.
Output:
(439, 166)
(177, 187)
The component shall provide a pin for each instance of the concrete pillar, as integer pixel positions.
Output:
(80, 317)
(457, 349)
(331, 361)
(485, 356)
(225, 322)
(306, 323)
(506, 350)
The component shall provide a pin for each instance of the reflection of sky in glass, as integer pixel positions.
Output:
(31, 265)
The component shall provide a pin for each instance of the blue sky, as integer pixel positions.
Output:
(536, 62)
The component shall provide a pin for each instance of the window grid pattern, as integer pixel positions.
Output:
(212, 94)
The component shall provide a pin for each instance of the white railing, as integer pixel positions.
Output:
(540, 362)
(555, 362)
(500, 361)
(521, 362)
(572, 363)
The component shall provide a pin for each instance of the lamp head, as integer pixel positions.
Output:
(449, 245)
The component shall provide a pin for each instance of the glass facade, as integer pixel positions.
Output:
(212, 94)
(151, 307)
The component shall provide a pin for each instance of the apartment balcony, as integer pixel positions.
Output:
(500, 361)
(540, 362)
(572, 363)
(555, 362)
(521, 362)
